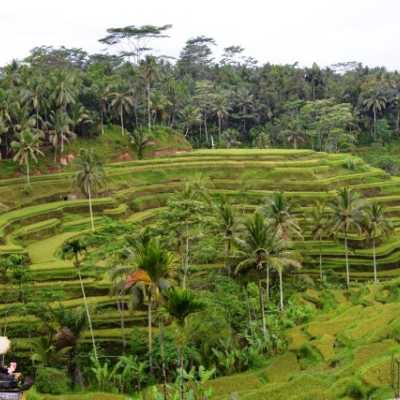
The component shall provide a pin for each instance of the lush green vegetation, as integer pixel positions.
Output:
(213, 273)
(264, 264)
(58, 98)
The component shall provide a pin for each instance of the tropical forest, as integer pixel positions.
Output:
(198, 227)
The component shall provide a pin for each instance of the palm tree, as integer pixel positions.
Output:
(75, 249)
(150, 72)
(180, 303)
(376, 102)
(221, 108)
(262, 249)
(121, 101)
(32, 95)
(153, 263)
(89, 177)
(375, 225)
(227, 224)
(60, 131)
(191, 116)
(64, 89)
(346, 217)
(139, 140)
(279, 213)
(318, 221)
(27, 149)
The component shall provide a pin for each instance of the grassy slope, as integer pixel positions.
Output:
(350, 342)
(110, 147)
(138, 192)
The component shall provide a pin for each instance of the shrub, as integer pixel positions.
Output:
(52, 381)
(355, 390)
(33, 395)
(351, 164)
(389, 164)
(308, 355)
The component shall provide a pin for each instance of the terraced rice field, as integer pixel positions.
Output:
(39, 222)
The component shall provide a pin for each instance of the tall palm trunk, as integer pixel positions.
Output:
(374, 111)
(320, 258)
(150, 337)
(62, 142)
(280, 289)
(120, 306)
(91, 208)
(347, 261)
(262, 308)
(267, 279)
(102, 122)
(148, 90)
(87, 312)
(162, 353)
(121, 117)
(374, 260)
(28, 176)
(186, 258)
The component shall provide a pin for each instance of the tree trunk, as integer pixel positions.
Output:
(186, 258)
(374, 260)
(181, 391)
(280, 288)
(320, 258)
(347, 261)
(206, 129)
(226, 251)
(150, 337)
(91, 208)
(148, 89)
(267, 272)
(62, 142)
(121, 117)
(87, 313)
(102, 122)
(28, 176)
(262, 308)
(122, 321)
(163, 367)
(219, 127)
(374, 111)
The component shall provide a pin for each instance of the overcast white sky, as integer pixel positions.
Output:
(277, 31)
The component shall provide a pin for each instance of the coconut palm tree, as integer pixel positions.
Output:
(375, 102)
(139, 139)
(121, 102)
(75, 250)
(180, 303)
(27, 150)
(32, 95)
(64, 89)
(89, 177)
(150, 72)
(262, 249)
(319, 225)
(227, 224)
(60, 132)
(278, 211)
(191, 116)
(375, 225)
(153, 264)
(221, 109)
(346, 217)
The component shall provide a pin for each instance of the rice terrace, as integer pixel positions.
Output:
(200, 227)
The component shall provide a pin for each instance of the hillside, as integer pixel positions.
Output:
(110, 147)
(342, 349)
